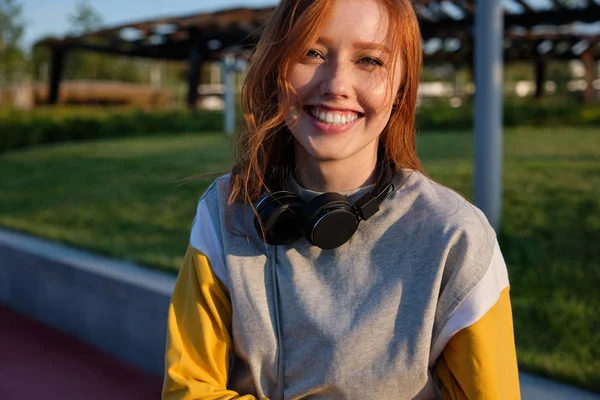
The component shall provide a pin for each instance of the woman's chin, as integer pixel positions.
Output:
(324, 154)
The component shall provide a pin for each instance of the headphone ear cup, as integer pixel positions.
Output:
(329, 220)
(279, 215)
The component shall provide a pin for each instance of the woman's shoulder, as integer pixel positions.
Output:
(216, 209)
(207, 227)
(448, 224)
(217, 190)
(441, 208)
(221, 225)
(210, 206)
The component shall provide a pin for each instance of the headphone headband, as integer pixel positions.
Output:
(369, 204)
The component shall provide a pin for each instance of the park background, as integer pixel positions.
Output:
(106, 168)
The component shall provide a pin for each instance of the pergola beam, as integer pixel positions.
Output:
(468, 5)
(525, 6)
(557, 5)
(240, 25)
(237, 29)
(179, 50)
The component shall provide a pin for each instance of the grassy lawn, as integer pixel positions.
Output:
(123, 198)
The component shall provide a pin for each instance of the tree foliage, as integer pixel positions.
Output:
(81, 64)
(85, 19)
(12, 29)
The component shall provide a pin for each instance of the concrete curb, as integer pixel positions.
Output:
(121, 307)
(536, 388)
(116, 306)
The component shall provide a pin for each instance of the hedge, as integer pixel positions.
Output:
(60, 124)
(20, 129)
(438, 115)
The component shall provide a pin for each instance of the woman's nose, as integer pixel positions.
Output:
(335, 80)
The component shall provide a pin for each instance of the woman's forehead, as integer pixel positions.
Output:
(362, 21)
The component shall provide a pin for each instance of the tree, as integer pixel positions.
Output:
(82, 64)
(12, 28)
(85, 19)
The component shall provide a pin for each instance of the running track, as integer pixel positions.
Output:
(38, 362)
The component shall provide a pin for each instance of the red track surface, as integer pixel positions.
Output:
(38, 362)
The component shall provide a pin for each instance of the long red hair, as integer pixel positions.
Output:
(265, 147)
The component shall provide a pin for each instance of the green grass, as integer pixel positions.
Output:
(123, 198)
(118, 197)
(550, 238)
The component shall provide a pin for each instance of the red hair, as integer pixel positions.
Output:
(265, 147)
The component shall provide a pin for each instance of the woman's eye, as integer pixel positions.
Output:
(371, 61)
(313, 54)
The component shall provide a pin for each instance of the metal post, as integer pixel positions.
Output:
(195, 62)
(229, 112)
(489, 32)
(540, 75)
(56, 72)
(587, 57)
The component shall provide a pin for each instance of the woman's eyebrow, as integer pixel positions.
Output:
(371, 46)
(327, 41)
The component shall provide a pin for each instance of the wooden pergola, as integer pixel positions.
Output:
(535, 30)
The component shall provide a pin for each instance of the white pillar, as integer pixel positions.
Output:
(229, 112)
(489, 33)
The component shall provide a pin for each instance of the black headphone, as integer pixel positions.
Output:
(327, 221)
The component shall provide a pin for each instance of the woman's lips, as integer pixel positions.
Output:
(337, 118)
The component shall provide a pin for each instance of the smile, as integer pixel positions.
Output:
(330, 117)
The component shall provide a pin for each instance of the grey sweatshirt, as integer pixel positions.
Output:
(359, 321)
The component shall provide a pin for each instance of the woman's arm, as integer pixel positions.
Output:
(199, 342)
(479, 362)
(477, 358)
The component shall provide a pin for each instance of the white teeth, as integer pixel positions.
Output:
(332, 118)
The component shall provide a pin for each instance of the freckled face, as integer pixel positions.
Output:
(343, 86)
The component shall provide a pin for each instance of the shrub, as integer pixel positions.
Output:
(439, 115)
(55, 125)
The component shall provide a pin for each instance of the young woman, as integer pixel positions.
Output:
(327, 265)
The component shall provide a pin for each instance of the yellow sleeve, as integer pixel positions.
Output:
(480, 361)
(198, 335)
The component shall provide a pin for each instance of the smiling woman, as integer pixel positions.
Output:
(344, 92)
(327, 265)
(376, 67)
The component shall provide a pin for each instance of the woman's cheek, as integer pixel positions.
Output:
(377, 95)
(380, 106)
(301, 77)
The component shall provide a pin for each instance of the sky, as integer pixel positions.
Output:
(50, 17)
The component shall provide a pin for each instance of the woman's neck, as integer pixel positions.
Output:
(335, 175)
